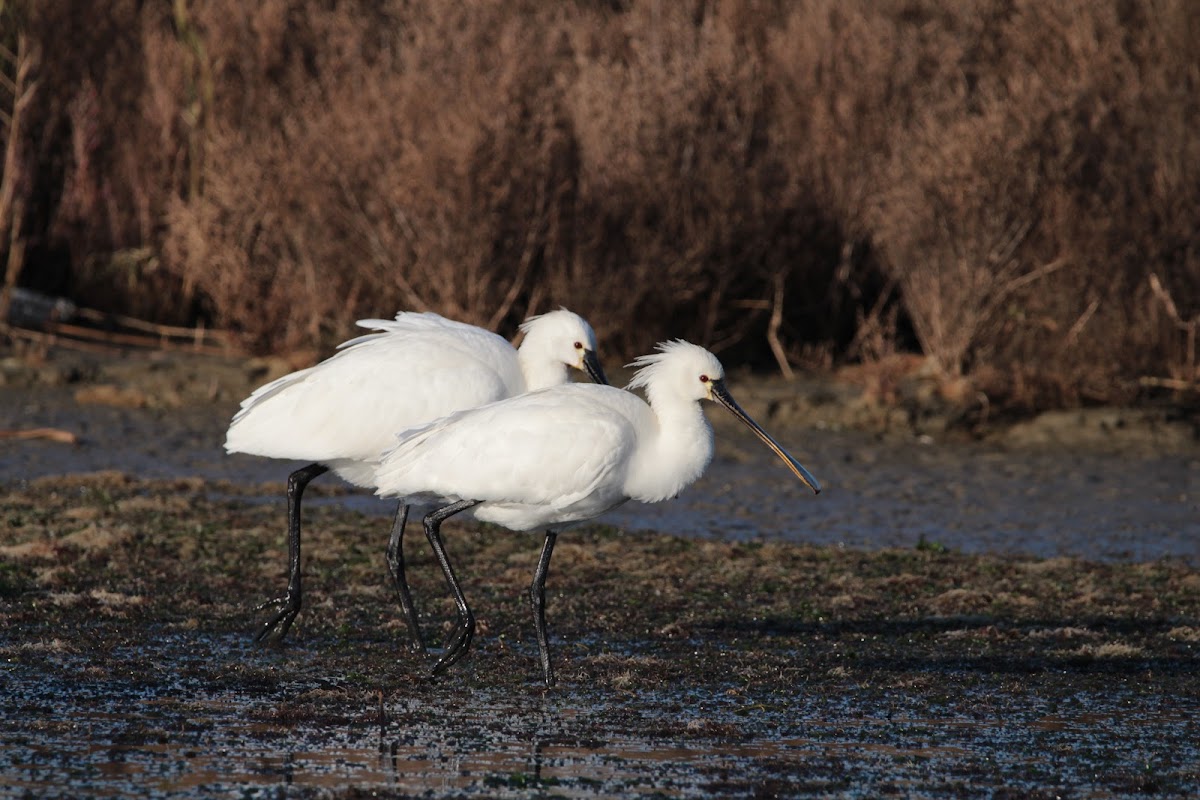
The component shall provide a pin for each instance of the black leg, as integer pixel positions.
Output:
(395, 562)
(289, 605)
(460, 639)
(537, 597)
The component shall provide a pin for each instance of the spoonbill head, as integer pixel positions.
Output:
(553, 343)
(553, 458)
(680, 364)
(341, 414)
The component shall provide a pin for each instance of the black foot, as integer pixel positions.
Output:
(457, 645)
(277, 627)
(417, 646)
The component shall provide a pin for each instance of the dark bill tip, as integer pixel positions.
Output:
(591, 365)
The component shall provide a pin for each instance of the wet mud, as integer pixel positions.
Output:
(949, 618)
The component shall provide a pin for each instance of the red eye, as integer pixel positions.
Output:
(704, 379)
(579, 345)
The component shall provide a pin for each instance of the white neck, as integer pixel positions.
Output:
(539, 370)
(674, 453)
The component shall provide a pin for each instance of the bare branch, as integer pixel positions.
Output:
(1170, 383)
(527, 252)
(1081, 323)
(362, 221)
(773, 327)
(12, 204)
(1021, 281)
(1168, 302)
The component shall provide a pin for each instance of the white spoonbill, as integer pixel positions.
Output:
(343, 413)
(551, 458)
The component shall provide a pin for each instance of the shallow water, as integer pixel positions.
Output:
(970, 497)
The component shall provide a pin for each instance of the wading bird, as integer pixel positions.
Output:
(548, 459)
(344, 412)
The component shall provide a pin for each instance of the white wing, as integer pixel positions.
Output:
(427, 323)
(413, 369)
(550, 448)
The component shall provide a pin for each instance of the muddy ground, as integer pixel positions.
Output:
(968, 614)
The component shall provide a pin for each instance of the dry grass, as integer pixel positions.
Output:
(1011, 187)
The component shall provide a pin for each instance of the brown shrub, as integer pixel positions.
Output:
(802, 182)
(1037, 191)
(421, 174)
(106, 153)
